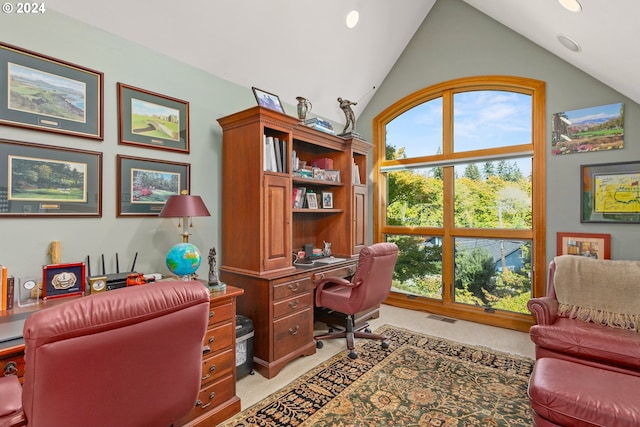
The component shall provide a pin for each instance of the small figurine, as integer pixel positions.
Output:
(345, 105)
(214, 282)
(327, 249)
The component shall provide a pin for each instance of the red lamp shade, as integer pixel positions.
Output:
(184, 205)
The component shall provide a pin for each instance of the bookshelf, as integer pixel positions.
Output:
(261, 228)
(259, 207)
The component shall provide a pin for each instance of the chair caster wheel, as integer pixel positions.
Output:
(253, 372)
(319, 344)
(367, 330)
(353, 354)
(385, 344)
(330, 330)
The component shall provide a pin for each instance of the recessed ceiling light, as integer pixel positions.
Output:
(571, 5)
(352, 19)
(569, 43)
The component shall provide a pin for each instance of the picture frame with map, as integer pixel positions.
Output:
(610, 193)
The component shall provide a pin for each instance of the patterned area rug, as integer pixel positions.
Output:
(419, 380)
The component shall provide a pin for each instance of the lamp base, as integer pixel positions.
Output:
(217, 286)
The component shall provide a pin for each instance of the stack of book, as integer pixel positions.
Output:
(320, 124)
(6, 289)
(275, 154)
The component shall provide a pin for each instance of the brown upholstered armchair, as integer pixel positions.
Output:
(127, 357)
(369, 286)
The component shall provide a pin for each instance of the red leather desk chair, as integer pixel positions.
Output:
(369, 286)
(128, 357)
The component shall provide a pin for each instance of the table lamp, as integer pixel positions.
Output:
(184, 259)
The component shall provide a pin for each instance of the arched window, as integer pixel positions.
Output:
(459, 185)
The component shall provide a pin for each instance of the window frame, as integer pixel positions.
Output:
(537, 149)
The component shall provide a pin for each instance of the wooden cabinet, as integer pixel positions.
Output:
(261, 229)
(217, 398)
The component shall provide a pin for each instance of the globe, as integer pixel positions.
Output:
(183, 259)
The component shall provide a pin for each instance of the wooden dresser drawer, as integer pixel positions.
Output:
(12, 365)
(288, 289)
(219, 337)
(212, 395)
(291, 305)
(344, 271)
(292, 332)
(220, 313)
(217, 365)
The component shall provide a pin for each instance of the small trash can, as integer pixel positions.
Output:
(244, 346)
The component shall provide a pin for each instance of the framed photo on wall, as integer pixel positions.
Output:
(45, 180)
(610, 192)
(152, 120)
(584, 244)
(144, 185)
(44, 93)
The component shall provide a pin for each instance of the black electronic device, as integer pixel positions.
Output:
(111, 280)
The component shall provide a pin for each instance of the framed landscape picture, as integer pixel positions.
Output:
(152, 120)
(144, 185)
(44, 93)
(43, 180)
(584, 244)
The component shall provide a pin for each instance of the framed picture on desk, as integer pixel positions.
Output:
(63, 280)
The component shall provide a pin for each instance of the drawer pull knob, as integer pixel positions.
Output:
(294, 304)
(211, 339)
(294, 287)
(211, 314)
(206, 349)
(211, 369)
(10, 369)
(204, 405)
(351, 271)
(293, 331)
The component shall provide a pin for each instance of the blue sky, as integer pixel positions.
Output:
(482, 119)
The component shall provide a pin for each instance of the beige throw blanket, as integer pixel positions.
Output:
(600, 291)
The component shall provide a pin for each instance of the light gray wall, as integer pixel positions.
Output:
(24, 241)
(456, 41)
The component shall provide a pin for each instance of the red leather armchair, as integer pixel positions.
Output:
(128, 357)
(369, 286)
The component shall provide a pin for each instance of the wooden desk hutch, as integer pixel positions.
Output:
(261, 229)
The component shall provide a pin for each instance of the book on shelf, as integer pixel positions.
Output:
(3, 287)
(356, 173)
(276, 146)
(317, 121)
(10, 292)
(322, 128)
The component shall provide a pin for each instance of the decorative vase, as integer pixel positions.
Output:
(304, 106)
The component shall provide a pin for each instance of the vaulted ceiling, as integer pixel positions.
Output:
(303, 48)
